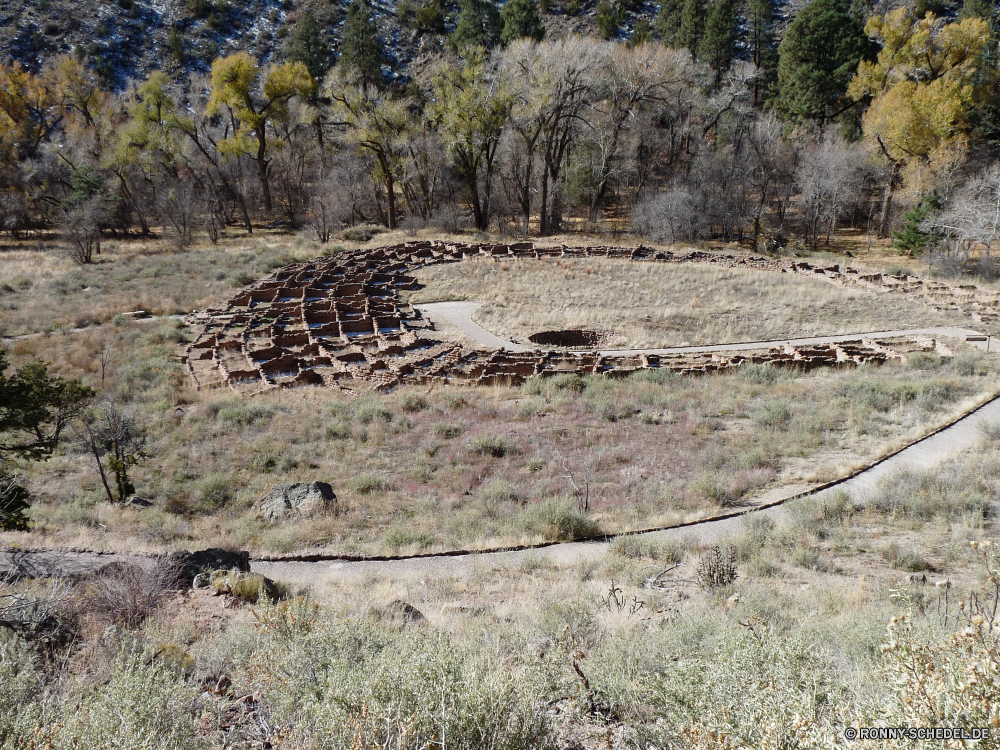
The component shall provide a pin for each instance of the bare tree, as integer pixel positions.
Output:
(972, 218)
(82, 229)
(827, 177)
(114, 438)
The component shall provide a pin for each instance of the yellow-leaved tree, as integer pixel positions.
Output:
(251, 99)
(927, 79)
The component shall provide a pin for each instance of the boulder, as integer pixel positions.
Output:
(400, 613)
(190, 564)
(302, 499)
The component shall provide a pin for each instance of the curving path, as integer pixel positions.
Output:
(459, 315)
(925, 453)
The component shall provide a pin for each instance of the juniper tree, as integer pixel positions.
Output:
(521, 21)
(478, 25)
(360, 47)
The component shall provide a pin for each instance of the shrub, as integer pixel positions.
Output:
(239, 412)
(772, 414)
(717, 569)
(401, 536)
(214, 491)
(990, 431)
(638, 547)
(764, 373)
(557, 519)
(414, 402)
(447, 431)
(125, 594)
(496, 494)
(495, 446)
(368, 484)
(369, 409)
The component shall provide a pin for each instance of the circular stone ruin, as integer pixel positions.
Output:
(339, 322)
(577, 339)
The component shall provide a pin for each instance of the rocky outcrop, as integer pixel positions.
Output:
(299, 499)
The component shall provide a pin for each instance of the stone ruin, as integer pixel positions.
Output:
(575, 339)
(339, 322)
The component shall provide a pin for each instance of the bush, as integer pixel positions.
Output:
(447, 431)
(557, 519)
(495, 446)
(357, 683)
(401, 536)
(637, 547)
(368, 484)
(764, 373)
(496, 494)
(14, 503)
(414, 402)
(239, 412)
(214, 491)
(772, 414)
(125, 594)
(717, 568)
(369, 409)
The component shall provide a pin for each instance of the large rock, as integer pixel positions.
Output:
(301, 499)
(190, 564)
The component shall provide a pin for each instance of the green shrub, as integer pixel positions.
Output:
(640, 546)
(772, 414)
(763, 373)
(239, 412)
(557, 519)
(368, 484)
(413, 402)
(351, 682)
(495, 446)
(370, 408)
(214, 491)
(404, 536)
(496, 494)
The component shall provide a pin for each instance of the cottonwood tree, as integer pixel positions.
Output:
(376, 123)
(922, 87)
(553, 84)
(470, 109)
(250, 99)
(972, 218)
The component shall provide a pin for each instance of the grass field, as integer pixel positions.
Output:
(657, 305)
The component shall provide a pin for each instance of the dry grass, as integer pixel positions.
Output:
(416, 471)
(656, 305)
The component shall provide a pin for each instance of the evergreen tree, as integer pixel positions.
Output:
(817, 59)
(718, 44)
(912, 239)
(606, 18)
(668, 21)
(760, 44)
(478, 25)
(360, 47)
(306, 45)
(642, 32)
(978, 9)
(520, 20)
(692, 25)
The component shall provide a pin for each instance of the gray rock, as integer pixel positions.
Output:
(138, 502)
(301, 498)
(190, 564)
(402, 613)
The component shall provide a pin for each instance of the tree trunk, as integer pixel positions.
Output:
(883, 222)
(390, 190)
(262, 169)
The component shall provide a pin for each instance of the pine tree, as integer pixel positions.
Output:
(718, 44)
(642, 32)
(817, 59)
(761, 45)
(692, 25)
(668, 21)
(912, 239)
(606, 18)
(520, 21)
(978, 9)
(478, 25)
(306, 45)
(360, 47)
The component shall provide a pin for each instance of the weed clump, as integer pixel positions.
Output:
(494, 446)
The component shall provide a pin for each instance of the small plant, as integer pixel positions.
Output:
(758, 374)
(717, 568)
(367, 484)
(413, 402)
(495, 446)
(616, 601)
(125, 594)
